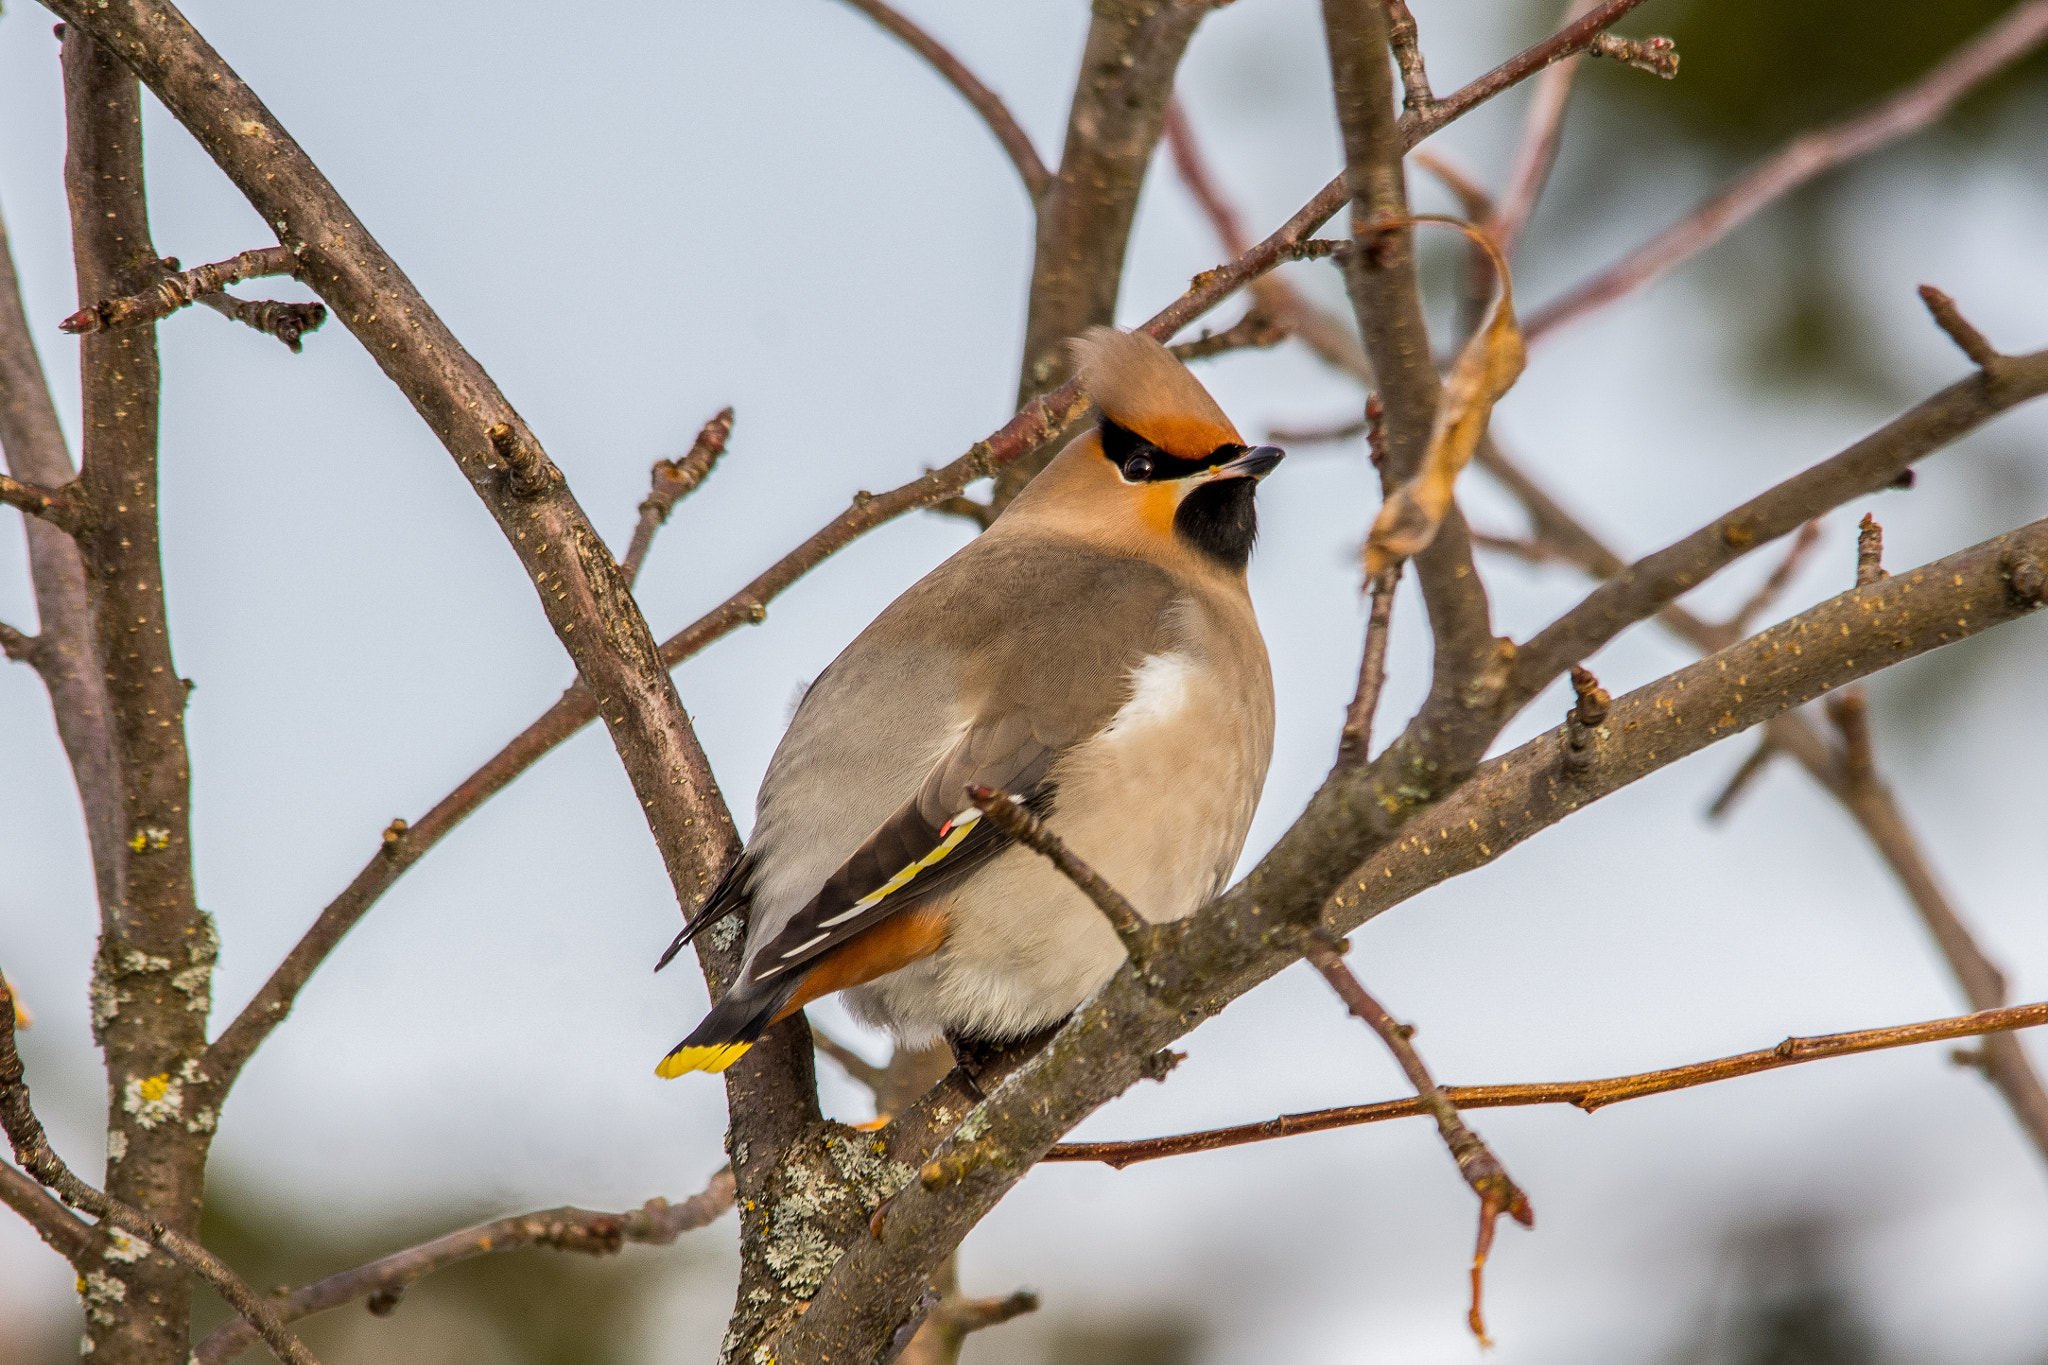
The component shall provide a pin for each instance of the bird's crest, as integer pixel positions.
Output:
(1140, 386)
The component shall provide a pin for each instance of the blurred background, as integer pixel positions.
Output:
(633, 223)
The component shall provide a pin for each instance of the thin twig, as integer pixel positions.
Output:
(1256, 330)
(1481, 1169)
(1775, 584)
(1869, 551)
(66, 1233)
(285, 321)
(1137, 934)
(1355, 740)
(859, 1068)
(1403, 37)
(1805, 157)
(1573, 38)
(1870, 805)
(32, 1149)
(384, 1281)
(1751, 768)
(1950, 319)
(1587, 1095)
(1658, 56)
(1272, 295)
(1536, 152)
(1015, 141)
(57, 506)
(1307, 436)
(180, 289)
(670, 482)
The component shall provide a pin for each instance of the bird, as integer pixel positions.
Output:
(1094, 653)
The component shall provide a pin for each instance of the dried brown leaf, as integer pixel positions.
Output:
(1485, 370)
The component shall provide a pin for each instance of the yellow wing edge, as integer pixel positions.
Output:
(716, 1057)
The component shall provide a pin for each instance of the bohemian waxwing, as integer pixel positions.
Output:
(1093, 653)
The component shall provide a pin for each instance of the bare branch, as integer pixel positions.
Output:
(1015, 141)
(1481, 1169)
(1771, 587)
(54, 505)
(671, 482)
(859, 1068)
(1272, 295)
(64, 1231)
(65, 656)
(180, 289)
(1118, 111)
(384, 1281)
(1865, 467)
(1407, 44)
(1872, 806)
(1536, 152)
(1575, 37)
(1805, 157)
(1256, 330)
(1244, 937)
(1586, 1095)
(1950, 319)
(19, 648)
(1139, 937)
(1354, 743)
(1745, 776)
(285, 321)
(32, 1149)
(1658, 56)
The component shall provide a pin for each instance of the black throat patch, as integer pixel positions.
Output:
(1220, 520)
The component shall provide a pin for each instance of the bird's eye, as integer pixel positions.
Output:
(1138, 468)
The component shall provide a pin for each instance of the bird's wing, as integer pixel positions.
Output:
(930, 843)
(733, 892)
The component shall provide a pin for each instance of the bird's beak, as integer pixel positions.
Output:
(1255, 463)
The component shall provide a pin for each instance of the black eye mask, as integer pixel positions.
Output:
(1139, 461)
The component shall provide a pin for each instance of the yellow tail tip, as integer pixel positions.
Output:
(717, 1057)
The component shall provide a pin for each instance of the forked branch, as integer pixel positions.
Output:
(383, 1282)
(32, 1149)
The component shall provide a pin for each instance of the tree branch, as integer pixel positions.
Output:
(1084, 219)
(1272, 295)
(1874, 810)
(65, 655)
(1586, 1095)
(1869, 465)
(1016, 143)
(1856, 782)
(1967, 338)
(1257, 928)
(671, 482)
(1805, 157)
(64, 1231)
(285, 321)
(152, 978)
(53, 505)
(1536, 151)
(32, 1149)
(1138, 936)
(1354, 743)
(1575, 37)
(1037, 422)
(1497, 1191)
(384, 1281)
(179, 289)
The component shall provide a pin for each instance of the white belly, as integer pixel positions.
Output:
(1159, 803)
